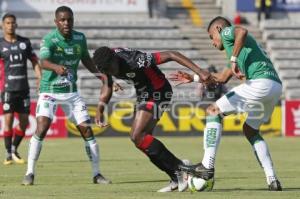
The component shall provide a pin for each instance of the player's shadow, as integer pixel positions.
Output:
(253, 189)
(139, 181)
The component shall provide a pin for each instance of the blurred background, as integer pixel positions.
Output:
(158, 25)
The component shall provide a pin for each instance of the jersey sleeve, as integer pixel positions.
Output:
(227, 36)
(45, 49)
(84, 52)
(156, 58)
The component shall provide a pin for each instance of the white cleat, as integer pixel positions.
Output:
(172, 186)
(182, 177)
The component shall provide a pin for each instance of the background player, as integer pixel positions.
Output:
(15, 51)
(61, 51)
(257, 96)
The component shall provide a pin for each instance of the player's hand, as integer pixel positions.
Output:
(181, 77)
(117, 87)
(236, 72)
(100, 118)
(61, 70)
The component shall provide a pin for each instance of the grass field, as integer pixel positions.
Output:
(64, 172)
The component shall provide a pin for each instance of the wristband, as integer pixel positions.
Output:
(233, 59)
(196, 78)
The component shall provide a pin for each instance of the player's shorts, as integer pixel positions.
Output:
(255, 97)
(71, 103)
(16, 101)
(155, 102)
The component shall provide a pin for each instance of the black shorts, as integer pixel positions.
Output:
(16, 101)
(155, 102)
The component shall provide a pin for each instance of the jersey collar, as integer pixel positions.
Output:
(62, 38)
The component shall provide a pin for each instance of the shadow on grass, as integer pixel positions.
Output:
(140, 181)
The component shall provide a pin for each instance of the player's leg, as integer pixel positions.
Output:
(19, 135)
(92, 150)
(7, 99)
(22, 107)
(211, 141)
(261, 112)
(46, 108)
(77, 110)
(8, 134)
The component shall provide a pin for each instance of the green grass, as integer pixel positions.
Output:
(64, 172)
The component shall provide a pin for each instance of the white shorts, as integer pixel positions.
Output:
(255, 97)
(72, 104)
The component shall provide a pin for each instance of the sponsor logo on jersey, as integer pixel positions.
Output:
(22, 46)
(69, 51)
(14, 48)
(130, 75)
(4, 49)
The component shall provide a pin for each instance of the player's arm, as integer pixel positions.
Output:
(46, 51)
(240, 35)
(223, 77)
(37, 70)
(166, 56)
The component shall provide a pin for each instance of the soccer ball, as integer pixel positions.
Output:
(199, 184)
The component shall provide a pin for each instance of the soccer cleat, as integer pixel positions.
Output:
(28, 179)
(182, 177)
(17, 158)
(8, 161)
(100, 179)
(198, 170)
(275, 186)
(172, 186)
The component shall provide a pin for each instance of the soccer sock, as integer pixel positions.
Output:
(35, 146)
(262, 154)
(8, 141)
(19, 135)
(160, 156)
(92, 151)
(211, 140)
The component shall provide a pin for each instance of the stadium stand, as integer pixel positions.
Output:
(282, 39)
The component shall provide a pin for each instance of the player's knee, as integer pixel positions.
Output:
(249, 131)
(87, 132)
(136, 138)
(23, 125)
(212, 110)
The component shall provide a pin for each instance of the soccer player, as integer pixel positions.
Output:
(61, 51)
(153, 93)
(15, 51)
(257, 96)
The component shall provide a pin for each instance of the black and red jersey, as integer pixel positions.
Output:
(140, 68)
(14, 56)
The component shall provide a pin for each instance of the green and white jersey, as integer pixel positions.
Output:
(67, 52)
(252, 61)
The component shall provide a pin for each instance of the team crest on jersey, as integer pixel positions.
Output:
(22, 46)
(130, 75)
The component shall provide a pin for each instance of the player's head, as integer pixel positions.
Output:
(9, 24)
(106, 60)
(214, 30)
(64, 20)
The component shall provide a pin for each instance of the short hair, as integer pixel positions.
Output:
(63, 9)
(103, 57)
(225, 21)
(9, 15)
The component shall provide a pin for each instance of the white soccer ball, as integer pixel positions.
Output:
(197, 184)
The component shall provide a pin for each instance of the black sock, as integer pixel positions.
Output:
(7, 142)
(163, 158)
(17, 141)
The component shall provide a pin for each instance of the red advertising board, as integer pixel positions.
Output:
(292, 118)
(57, 129)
